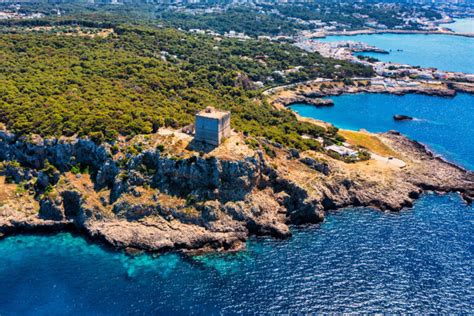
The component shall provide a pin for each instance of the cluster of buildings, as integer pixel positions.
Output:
(393, 83)
(206, 32)
(400, 70)
(345, 50)
(237, 35)
(13, 11)
(339, 50)
(230, 34)
(6, 15)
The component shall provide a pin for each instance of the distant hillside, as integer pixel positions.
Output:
(140, 78)
(250, 17)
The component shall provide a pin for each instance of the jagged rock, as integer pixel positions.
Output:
(52, 209)
(293, 153)
(316, 165)
(106, 174)
(33, 152)
(400, 117)
(72, 203)
(210, 211)
(311, 99)
(42, 181)
(214, 203)
(468, 197)
(18, 174)
(133, 212)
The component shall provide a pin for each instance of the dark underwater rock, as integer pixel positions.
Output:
(400, 117)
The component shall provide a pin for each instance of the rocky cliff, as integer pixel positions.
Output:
(157, 201)
(313, 92)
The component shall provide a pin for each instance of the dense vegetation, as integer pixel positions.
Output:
(249, 18)
(239, 20)
(141, 78)
(56, 81)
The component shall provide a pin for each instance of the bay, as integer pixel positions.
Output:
(465, 25)
(445, 52)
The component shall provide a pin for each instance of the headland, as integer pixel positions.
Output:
(188, 200)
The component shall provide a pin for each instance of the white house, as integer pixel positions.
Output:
(342, 151)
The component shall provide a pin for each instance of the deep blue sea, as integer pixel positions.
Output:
(445, 52)
(420, 260)
(358, 260)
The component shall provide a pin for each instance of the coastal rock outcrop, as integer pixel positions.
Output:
(156, 202)
(317, 92)
(305, 99)
(400, 117)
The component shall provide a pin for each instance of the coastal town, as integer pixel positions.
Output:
(345, 50)
(290, 19)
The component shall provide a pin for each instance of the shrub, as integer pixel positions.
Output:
(160, 148)
(97, 137)
(75, 169)
(269, 151)
(191, 199)
(363, 155)
(80, 169)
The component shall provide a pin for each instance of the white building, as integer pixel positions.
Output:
(342, 151)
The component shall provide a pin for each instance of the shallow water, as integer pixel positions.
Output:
(446, 52)
(418, 260)
(461, 25)
(444, 124)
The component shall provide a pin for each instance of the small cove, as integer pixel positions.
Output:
(445, 124)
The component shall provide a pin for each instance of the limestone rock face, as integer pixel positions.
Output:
(155, 202)
(52, 209)
(19, 174)
(316, 165)
(106, 174)
(310, 99)
(61, 153)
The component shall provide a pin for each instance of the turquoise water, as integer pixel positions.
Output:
(461, 25)
(444, 124)
(418, 260)
(446, 52)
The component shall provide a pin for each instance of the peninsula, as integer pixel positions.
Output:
(170, 197)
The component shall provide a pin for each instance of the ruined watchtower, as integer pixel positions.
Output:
(212, 126)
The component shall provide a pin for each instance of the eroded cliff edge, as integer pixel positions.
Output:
(160, 199)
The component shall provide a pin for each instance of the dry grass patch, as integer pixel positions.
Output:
(12, 202)
(7, 190)
(368, 141)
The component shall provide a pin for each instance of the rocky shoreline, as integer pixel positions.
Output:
(312, 92)
(156, 202)
(359, 32)
(305, 99)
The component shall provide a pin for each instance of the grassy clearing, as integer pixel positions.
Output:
(368, 141)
